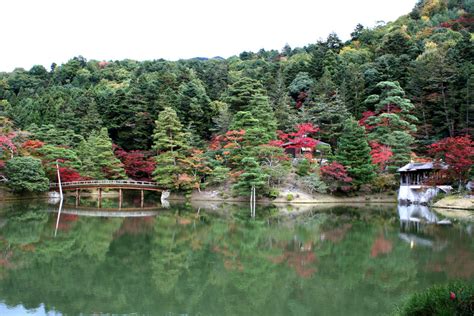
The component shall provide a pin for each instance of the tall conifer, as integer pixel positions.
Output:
(353, 152)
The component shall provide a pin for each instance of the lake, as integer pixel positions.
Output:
(216, 260)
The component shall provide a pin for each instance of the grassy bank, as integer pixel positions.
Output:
(455, 206)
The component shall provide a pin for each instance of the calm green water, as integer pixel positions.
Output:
(332, 261)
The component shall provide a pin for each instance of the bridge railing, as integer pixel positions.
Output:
(104, 183)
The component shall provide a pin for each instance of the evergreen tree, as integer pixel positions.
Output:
(353, 152)
(329, 115)
(252, 176)
(170, 142)
(98, 159)
(168, 134)
(223, 117)
(284, 115)
(263, 112)
(166, 171)
(194, 107)
(393, 124)
(26, 174)
(242, 92)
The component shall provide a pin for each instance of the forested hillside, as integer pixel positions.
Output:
(380, 99)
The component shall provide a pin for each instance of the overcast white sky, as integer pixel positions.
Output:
(47, 31)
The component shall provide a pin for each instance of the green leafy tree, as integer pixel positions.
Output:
(432, 75)
(353, 152)
(26, 174)
(168, 134)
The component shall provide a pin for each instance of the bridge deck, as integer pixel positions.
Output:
(112, 184)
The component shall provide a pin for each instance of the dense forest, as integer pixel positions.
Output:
(393, 93)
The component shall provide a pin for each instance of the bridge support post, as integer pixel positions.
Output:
(142, 198)
(120, 198)
(78, 197)
(100, 198)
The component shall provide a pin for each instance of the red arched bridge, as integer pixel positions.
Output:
(106, 184)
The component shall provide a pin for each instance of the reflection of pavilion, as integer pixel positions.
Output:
(414, 214)
(412, 219)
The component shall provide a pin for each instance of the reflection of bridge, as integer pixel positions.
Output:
(107, 212)
(107, 184)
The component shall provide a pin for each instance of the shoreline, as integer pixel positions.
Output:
(453, 203)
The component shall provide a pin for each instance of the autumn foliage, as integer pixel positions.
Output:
(230, 140)
(299, 139)
(457, 153)
(32, 144)
(69, 175)
(381, 154)
(6, 143)
(138, 165)
(363, 120)
(335, 175)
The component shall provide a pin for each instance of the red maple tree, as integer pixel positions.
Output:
(299, 139)
(457, 153)
(363, 120)
(32, 144)
(138, 165)
(381, 154)
(335, 175)
(69, 175)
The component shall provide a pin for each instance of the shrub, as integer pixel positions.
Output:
(312, 184)
(219, 175)
(335, 176)
(273, 193)
(303, 167)
(384, 182)
(456, 298)
(26, 174)
(289, 197)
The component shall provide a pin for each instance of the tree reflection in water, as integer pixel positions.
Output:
(183, 262)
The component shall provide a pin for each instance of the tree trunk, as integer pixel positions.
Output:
(446, 112)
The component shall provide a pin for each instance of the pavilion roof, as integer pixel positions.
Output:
(415, 166)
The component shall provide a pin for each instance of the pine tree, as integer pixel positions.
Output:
(263, 112)
(258, 122)
(392, 125)
(329, 115)
(170, 142)
(252, 176)
(166, 171)
(242, 92)
(194, 107)
(284, 114)
(98, 159)
(168, 134)
(353, 152)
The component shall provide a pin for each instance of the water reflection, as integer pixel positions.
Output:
(215, 260)
(414, 217)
